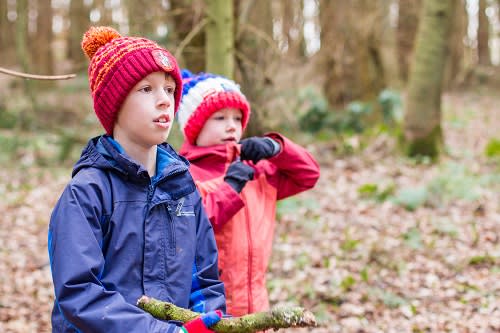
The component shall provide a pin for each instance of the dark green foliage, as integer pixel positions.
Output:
(353, 119)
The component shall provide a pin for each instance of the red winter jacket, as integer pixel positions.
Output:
(244, 223)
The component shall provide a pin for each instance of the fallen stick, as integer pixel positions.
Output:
(277, 317)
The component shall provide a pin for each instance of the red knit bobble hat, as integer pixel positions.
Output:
(117, 63)
(205, 94)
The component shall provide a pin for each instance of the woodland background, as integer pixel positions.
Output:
(401, 233)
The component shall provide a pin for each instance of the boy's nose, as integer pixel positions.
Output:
(163, 100)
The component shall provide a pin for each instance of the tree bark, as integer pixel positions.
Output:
(279, 317)
(220, 38)
(350, 53)
(483, 50)
(26, 115)
(42, 45)
(7, 28)
(422, 116)
(79, 21)
(409, 11)
(255, 53)
(455, 58)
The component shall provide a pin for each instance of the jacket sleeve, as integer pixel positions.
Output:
(296, 170)
(221, 204)
(77, 262)
(207, 291)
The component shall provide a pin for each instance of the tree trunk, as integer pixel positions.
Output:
(42, 45)
(292, 29)
(141, 17)
(254, 57)
(105, 13)
(189, 18)
(483, 50)
(25, 116)
(79, 22)
(350, 49)
(220, 37)
(422, 117)
(7, 54)
(409, 11)
(456, 49)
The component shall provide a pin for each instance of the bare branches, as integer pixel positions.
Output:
(36, 77)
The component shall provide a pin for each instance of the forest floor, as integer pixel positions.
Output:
(381, 244)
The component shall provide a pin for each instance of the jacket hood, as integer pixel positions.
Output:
(102, 154)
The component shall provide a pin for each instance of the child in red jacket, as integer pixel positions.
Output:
(240, 182)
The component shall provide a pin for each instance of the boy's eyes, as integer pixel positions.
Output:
(167, 89)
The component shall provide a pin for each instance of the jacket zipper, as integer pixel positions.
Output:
(172, 230)
(249, 276)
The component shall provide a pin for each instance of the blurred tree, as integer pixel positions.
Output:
(79, 22)
(219, 45)
(422, 116)
(254, 53)
(409, 11)
(187, 34)
(23, 56)
(350, 49)
(456, 47)
(105, 11)
(42, 43)
(292, 28)
(7, 54)
(141, 17)
(483, 50)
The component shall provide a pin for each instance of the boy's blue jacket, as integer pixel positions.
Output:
(116, 235)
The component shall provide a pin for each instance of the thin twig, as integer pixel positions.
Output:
(190, 36)
(36, 77)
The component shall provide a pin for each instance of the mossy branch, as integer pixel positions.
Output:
(278, 317)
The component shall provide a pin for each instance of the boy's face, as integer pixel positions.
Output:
(222, 127)
(146, 116)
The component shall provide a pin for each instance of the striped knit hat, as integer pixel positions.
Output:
(205, 94)
(117, 63)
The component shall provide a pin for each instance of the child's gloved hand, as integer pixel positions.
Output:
(238, 174)
(202, 323)
(256, 148)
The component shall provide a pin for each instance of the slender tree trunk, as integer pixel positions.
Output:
(220, 37)
(7, 54)
(141, 17)
(409, 11)
(79, 22)
(255, 50)
(104, 12)
(25, 116)
(422, 117)
(456, 49)
(483, 50)
(43, 42)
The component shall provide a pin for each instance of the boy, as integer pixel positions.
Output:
(240, 182)
(130, 222)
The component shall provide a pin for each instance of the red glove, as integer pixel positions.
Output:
(202, 323)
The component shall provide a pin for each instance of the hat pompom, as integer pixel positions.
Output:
(96, 37)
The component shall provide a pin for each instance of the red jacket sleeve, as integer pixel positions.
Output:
(296, 170)
(220, 204)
